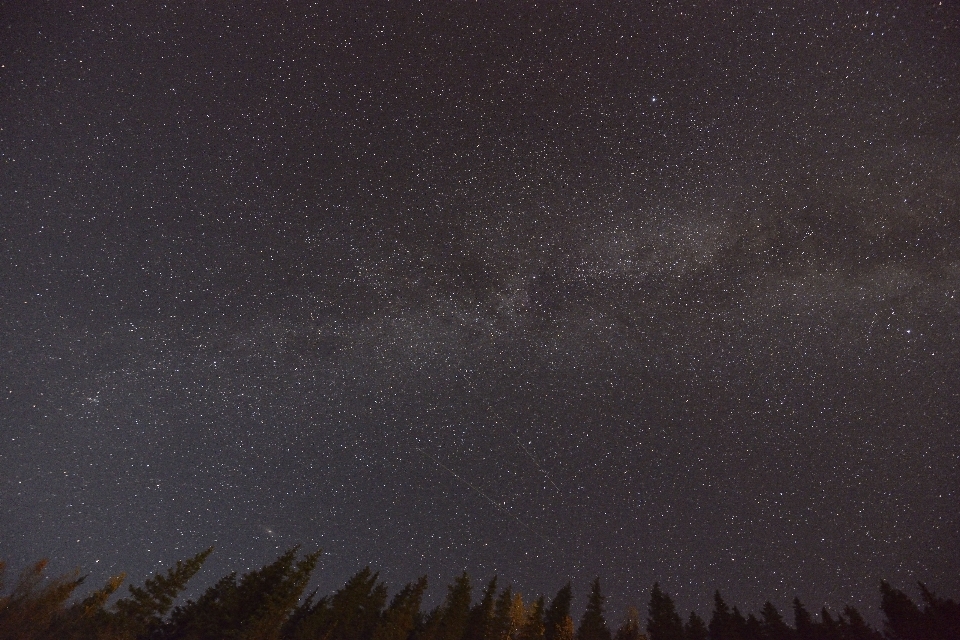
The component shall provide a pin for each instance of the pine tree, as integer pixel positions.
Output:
(500, 629)
(903, 620)
(518, 615)
(31, 610)
(828, 628)
(802, 621)
(772, 625)
(449, 621)
(738, 625)
(88, 618)
(399, 619)
(558, 612)
(752, 629)
(352, 613)
(592, 625)
(942, 615)
(696, 628)
(854, 627)
(533, 626)
(663, 622)
(255, 607)
(480, 622)
(630, 629)
(565, 629)
(142, 612)
(721, 623)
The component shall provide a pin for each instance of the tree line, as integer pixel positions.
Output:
(268, 604)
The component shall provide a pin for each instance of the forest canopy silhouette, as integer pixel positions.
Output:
(269, 604)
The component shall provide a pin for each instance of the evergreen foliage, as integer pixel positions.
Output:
(254, 607)
(352, 613)
(142, 612)
(557, 613)
(449, 621)
(904, 620)
(772, 626)
(30, 609)
(663, 623)
(630, 629)
(565, 629)
(267, 604)
(400, 617)
(502, 618)
(802, 621)
(533, 627)
(592, 625)
(722, 624)
(517, 616)
(695, 628)
(480, 622)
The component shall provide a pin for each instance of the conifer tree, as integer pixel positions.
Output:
(480, 622)
(902, 617)
(828, 628)
(427, 624)
(802, 621)
(255, 607)
(592, 625)
(942, 615)
(751, 629)
(565, 629)
(88, 618)
(142, 612)
(502, 621)
(663, 622)
(399, 619)
(630, 629)
(558, 612)
(696, 628)
(352, 613)
(31, 610)
(517, 615)
(449, 621)
(533, 626)
(854, 627)
(738, 625)
(721, 623)
(772, 626)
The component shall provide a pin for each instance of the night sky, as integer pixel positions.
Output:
(549, 291)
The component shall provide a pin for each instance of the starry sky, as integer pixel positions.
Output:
(548, 290)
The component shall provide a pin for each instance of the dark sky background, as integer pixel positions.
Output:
(551, 291)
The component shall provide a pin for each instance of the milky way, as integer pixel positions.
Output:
(549, 292)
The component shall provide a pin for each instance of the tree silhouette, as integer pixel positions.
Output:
(630, 629)
(263, 605)
(480, 622)
(533, 626)
(502, 618)
(802, 621)
(256, 606)
(142, 612)
(722, 624)
(558, 612)
(772, 625)
(904, 620)
(663, 623)
(449, 621)
(30, 610)
(696, 628)
(592, 625)
(400, 617)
